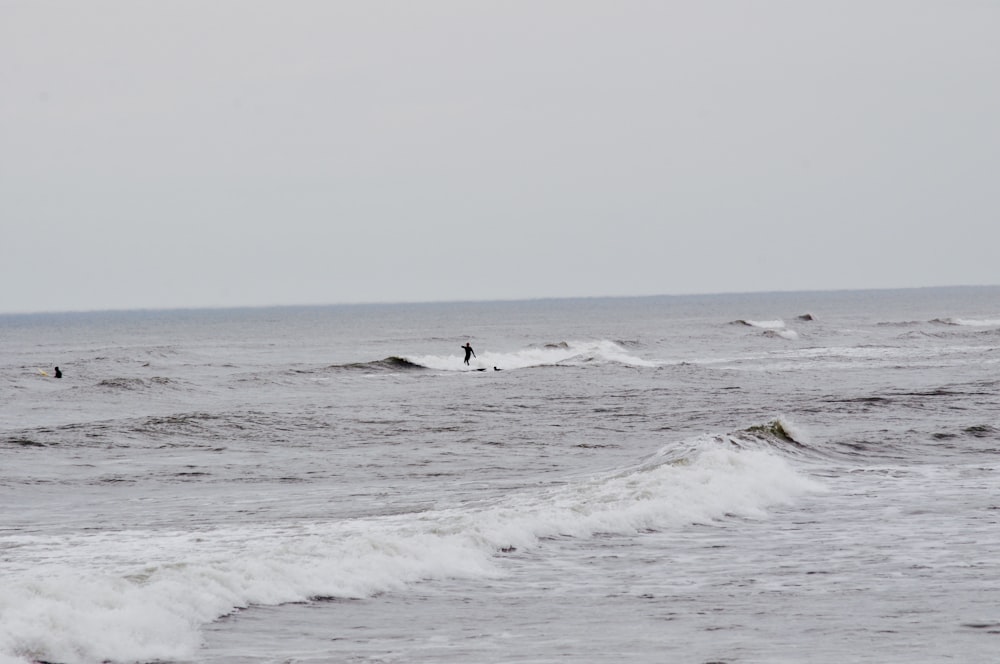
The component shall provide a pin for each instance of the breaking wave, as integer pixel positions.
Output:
(791, 335)
(148, 593)
(773, 328)
(574, 353)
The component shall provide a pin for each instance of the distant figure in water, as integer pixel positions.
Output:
(495, 368)
(58, 373)
(468, 351)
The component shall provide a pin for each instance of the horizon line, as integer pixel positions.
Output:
(42, 312)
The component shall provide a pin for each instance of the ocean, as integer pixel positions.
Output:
(780, 477)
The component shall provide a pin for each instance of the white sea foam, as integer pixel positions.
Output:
(139, 596)
(774, 328)
(972, 322)
(791, 335)
(766, 324)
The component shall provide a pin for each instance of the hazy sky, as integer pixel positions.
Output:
(200, 153)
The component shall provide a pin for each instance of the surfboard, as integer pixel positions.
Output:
(42, 372)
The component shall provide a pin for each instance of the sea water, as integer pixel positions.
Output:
(791, 477)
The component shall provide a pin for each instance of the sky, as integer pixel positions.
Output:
(255, 152)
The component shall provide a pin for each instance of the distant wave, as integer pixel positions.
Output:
(24, 442)
(782, 334)
(392, 363)
(905, 323)
(133, 383)
(175, 422)
(920, 334)
(763, 324)
(968, 322)
(982, 431)
(196, 429)
(772, 328)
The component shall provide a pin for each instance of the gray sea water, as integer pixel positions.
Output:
(792, 477)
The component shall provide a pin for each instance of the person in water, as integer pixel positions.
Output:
(58, 373)
(468, 351)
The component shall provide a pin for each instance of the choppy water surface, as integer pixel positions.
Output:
(746, 478)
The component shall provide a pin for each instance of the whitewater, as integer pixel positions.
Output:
(778, 477)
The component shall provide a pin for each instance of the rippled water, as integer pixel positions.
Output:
(745, 478)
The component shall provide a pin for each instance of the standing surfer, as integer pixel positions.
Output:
(468, 351)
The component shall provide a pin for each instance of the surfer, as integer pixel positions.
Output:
(468, 351)
(58, 373)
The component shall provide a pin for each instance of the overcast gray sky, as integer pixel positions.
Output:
(242, 152)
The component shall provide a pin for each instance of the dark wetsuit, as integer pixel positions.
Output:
(58, 373)
(468, 352)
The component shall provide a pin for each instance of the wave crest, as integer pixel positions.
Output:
(392, 363)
